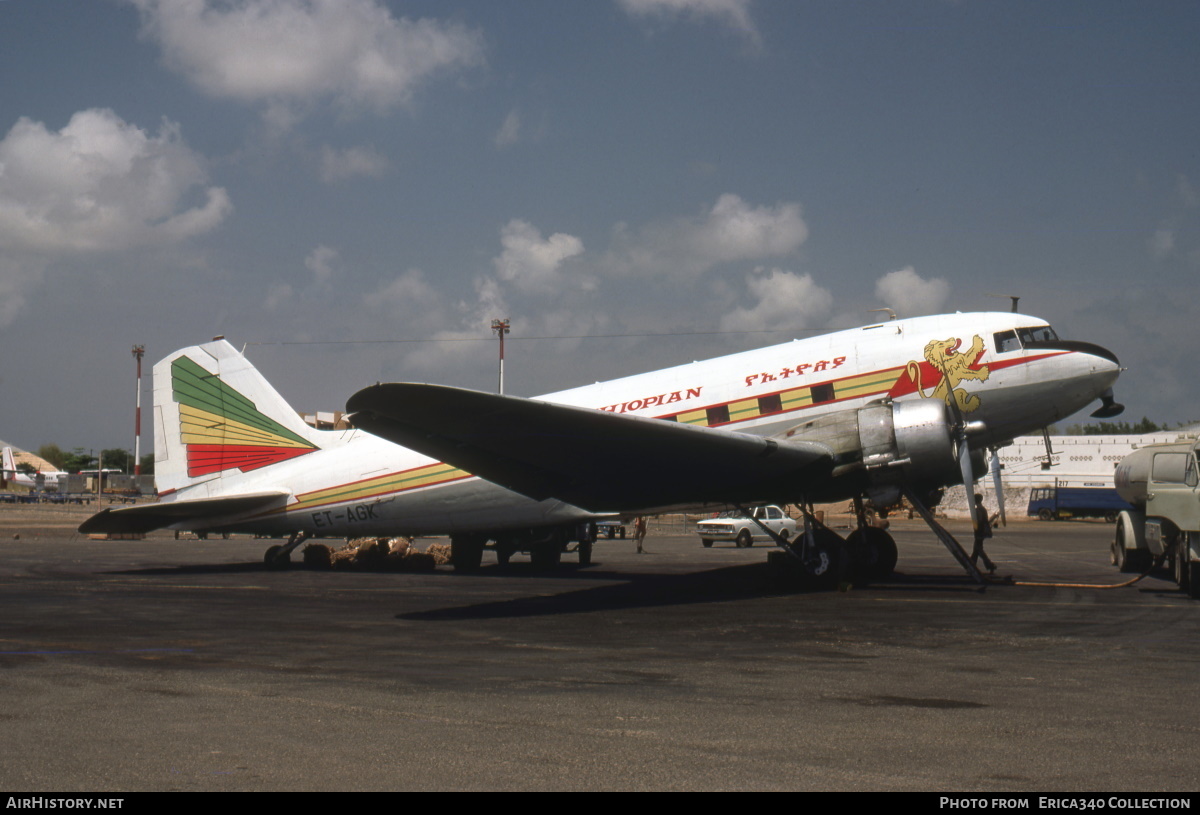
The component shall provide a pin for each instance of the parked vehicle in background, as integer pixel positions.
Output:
(610, 529)
(1059, 503)
(742, 530)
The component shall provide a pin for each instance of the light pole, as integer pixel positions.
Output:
(501, 327)
(138, 351)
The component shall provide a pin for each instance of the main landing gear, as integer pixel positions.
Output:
(280, 557)
(819, 558)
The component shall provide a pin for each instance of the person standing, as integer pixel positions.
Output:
(639, 531)
(983, 531)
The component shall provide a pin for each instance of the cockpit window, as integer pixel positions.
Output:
(1007, 341)
(1017, 339)
(1040, 333)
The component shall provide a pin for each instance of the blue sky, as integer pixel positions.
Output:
(299, 174)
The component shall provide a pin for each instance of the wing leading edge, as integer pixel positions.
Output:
(593, 459)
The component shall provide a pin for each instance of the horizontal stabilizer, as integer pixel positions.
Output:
(594, 459)
(148, 517)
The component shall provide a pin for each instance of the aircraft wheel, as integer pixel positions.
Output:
(744, 541)
(821, 567)
(546, 556)
(706, 543)
(276, 558)
(873, 553)
(466, 552)
(585, 553)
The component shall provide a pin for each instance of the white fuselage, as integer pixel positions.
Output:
(359, 484)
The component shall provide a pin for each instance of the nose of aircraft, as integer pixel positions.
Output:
(1104, 368)
(1095, 370)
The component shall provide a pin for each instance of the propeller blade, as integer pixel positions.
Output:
(968, 477)
(964, 460)
(999, 484)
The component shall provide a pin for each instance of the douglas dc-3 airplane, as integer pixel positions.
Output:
(904, 407)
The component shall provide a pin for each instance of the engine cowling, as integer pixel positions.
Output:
(881, 446)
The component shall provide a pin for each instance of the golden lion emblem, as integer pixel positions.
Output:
(954, 366)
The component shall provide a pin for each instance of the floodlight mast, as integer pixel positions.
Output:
(138, 351)
(501, 327)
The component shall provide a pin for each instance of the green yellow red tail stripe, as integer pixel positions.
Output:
(222, 429)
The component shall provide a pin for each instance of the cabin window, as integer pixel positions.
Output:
(770, 404)
(718, 414)
(822, 393)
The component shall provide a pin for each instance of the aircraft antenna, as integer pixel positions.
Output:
(891, 314)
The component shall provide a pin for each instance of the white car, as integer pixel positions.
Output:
(736, 527)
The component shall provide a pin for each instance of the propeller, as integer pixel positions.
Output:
(998, 483)
(1109, 406)
(961, 429)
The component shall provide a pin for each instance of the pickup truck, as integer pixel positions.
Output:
(736, 527)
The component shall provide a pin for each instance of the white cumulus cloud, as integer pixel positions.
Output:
(299, 51)
(341, 165)
(782, 300)
(731, 231)
(909, 295)
(732, 13)
(510, 130)
(530, 262)
(100, 184)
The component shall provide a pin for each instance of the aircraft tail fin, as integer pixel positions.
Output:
(9, 465)
(216, 416)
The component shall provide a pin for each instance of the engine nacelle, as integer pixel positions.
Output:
(886, 444)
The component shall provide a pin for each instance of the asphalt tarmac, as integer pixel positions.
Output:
(165, 665)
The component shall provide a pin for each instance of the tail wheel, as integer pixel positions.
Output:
(276, 558)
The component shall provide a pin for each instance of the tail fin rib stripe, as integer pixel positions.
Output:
(201, 427)
(196, 387)
(211, 458)
(222, 429)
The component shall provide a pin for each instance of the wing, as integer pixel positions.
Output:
(594, 459)
(155, 516)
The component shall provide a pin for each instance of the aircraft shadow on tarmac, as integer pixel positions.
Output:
(627, 590)
(723, 584)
